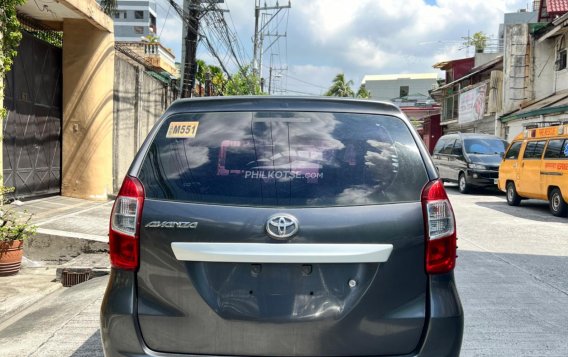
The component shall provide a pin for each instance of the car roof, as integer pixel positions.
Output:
(282, 103)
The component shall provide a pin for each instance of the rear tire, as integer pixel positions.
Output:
(513, 198)
(558, 207)
(463, 186)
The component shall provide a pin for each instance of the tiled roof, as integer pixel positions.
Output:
(556, 6)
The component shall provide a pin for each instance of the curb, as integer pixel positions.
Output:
(61, 246)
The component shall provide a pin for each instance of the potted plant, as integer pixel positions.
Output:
(478, 41)
(15, 227)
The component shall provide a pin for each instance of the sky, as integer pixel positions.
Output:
(357, 37)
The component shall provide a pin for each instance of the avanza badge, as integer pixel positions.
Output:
(182, 129)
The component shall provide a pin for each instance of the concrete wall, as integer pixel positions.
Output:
(483, 58)
(139, 101)
(390, 89)
(560, 77)
(88, 62)
(516, 67)
(486, 125)
(543, 69)
(515, 127)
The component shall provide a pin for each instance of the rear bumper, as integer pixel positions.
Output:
(443, 334)
(121, 335)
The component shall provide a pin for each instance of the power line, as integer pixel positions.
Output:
(298, 92)
(302, 81)
(166, 20)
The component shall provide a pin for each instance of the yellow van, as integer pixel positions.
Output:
(536, 166)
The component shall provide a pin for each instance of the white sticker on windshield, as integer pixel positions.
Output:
(183, 129)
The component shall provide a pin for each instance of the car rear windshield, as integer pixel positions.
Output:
(301, 159)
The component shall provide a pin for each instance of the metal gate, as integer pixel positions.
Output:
(32, 129)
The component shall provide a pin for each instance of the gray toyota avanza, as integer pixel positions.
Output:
(280, 226)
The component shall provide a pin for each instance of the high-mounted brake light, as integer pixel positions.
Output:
(440, 229)
(125, 225)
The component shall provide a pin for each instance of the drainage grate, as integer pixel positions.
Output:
(70, 278)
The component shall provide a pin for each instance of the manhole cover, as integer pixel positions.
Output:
(70, 278)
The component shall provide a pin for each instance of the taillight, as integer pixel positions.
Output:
(440, 229)
(125, 225)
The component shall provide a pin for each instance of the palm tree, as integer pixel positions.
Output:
(202, 68)
(340, 87)
(363, 92)
(217, 79)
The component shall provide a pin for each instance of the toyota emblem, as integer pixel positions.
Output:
(282, 226)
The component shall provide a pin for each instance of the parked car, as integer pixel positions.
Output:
(535, 166)
(279, 226)
(471, 160)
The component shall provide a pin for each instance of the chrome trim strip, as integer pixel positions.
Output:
(281, 252)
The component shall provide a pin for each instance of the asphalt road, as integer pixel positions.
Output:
(512, 276)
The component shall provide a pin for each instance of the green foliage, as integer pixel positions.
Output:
(218, 79)
(46, 36)
(363, 92)
(152, 39)
(478, 40)
(340, 87)
(15, 225)
(11, 34)
(244, 82)
(108, 6)
(202, 68)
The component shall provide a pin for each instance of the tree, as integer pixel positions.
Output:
(340, 87)
(244, 82)
(478, 40)
(10, 36)
(363, 92)
(218, 79)
(202, 68)
(108, 6)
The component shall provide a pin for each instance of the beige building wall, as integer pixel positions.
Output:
(88, 76)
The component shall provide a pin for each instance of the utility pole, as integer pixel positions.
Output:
(255, 44)
(208, 86)
(270, 81)
(191, 7)
(258, 51)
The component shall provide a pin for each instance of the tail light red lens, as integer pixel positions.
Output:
(440, 229)
(125, 225)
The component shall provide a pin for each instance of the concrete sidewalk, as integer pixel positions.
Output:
(67, 227)
(72, 235)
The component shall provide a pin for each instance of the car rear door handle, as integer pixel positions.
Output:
(281, 253)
